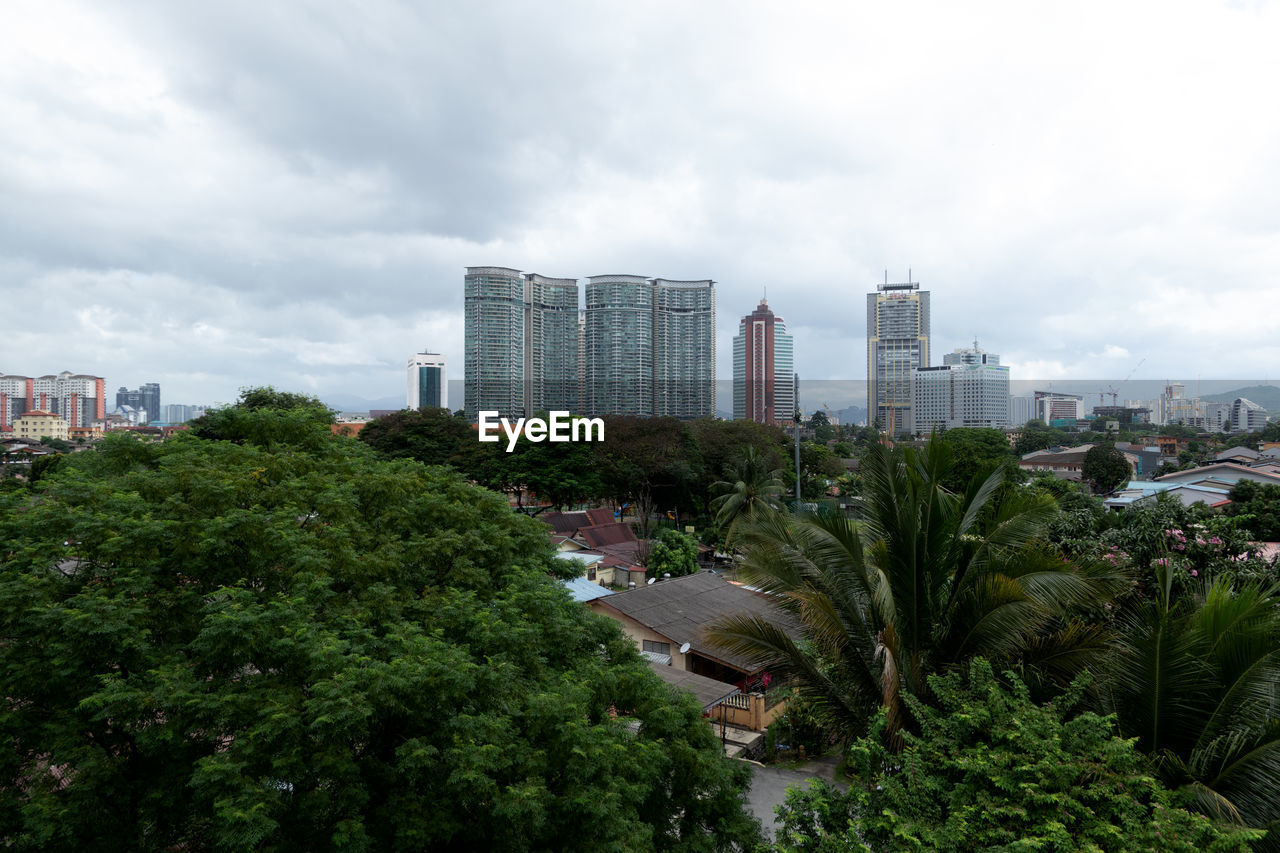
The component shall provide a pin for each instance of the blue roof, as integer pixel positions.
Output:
(582, 589)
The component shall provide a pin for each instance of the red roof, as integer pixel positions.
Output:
(614, 533)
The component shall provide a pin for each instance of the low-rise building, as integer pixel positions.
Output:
(39, 424)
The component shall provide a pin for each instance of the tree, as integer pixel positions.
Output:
(673, 553)
(429, 435)
(264, 415)
(284, 643)
(1105, 467)
(975, 452)
(1193, 676)
(753, 486)
(920, 581)
(992, 770)
(1257, 506)
(649, 462)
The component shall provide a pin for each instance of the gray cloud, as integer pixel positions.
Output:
(225, 194)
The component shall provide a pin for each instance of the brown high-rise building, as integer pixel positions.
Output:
(763, 365)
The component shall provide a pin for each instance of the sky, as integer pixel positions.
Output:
(219, 195)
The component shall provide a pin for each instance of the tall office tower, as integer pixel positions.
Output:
(493, 349)
(897, 343)
(77, 398)
(618, 344)
(684, 348)
(552, 363)
(145, 398)
(1021, 409)
(16, 394)
(969, 389)
(426, 381)
(763, 367)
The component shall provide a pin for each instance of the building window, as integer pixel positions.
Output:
(657, 648)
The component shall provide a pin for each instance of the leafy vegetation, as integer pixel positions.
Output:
(916, 583)
(277, 641)
(992, 770)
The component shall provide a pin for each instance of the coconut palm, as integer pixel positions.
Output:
(920, 580)
(1196, 679)
(751, 486)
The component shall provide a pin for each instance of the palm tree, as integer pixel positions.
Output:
(920, 580)
(1196, 679)
(752, 486)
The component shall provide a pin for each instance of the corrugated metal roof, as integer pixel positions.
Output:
(582, 589)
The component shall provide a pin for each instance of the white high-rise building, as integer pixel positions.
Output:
(969, 389)
(426, 385)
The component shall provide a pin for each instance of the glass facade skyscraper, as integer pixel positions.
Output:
(618, 345)
(494, 341)
(684, 348)
(897, 343)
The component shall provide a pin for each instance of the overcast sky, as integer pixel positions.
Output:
(215, 195)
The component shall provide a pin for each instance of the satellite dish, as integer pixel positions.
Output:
(684, 650)
(650, 581)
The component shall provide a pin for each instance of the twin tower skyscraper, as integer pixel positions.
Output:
(634, 346)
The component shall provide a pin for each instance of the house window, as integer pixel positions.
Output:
(591, 574)
(658, 648)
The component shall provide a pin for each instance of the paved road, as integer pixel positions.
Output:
(769, 787)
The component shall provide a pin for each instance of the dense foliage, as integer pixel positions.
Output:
(276, 641)
(992, 770)
(1105, 467)
(919, 580)
(673, 553)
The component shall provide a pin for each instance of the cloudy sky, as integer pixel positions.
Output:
(214, 195)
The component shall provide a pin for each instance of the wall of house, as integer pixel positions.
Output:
(639, 633)
(756, 716)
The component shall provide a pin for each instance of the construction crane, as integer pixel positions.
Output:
(1115, 391)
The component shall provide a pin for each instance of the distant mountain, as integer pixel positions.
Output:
(1266, 396)
(357, 405)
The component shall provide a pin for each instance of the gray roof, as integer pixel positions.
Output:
(707, 691)
(681, 608)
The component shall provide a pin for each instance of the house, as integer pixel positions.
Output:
(667, 621)
(596, 532)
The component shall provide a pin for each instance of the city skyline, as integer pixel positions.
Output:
(242, 195)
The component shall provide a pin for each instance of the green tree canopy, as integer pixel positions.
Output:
(295, 646)
(1105, 467)
(673, 553)
(991, 770)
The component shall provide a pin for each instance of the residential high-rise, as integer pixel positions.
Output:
(426, 381)
(522, 343)
(77, 398)
(16, 397)
(969, 389)
(618, 345)
(649, 346)
(493, 348)
(145, 398)
(763, 368)
(684, 348)
(551, 358)
(897, 343)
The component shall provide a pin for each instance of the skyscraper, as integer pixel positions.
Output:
(763, 367)
(493, 347)
(684, 348)
(970, 389)
(618, 345)
(426, 381)
(649, 346)
(897, 343)
(522, 350)
(551, 358)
